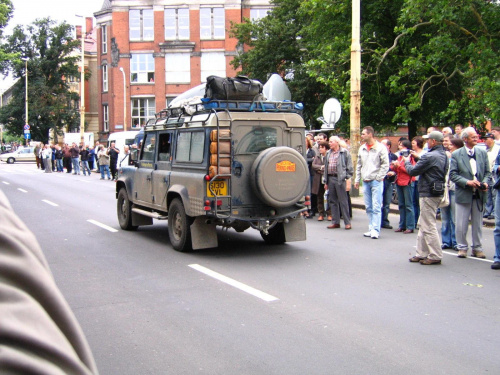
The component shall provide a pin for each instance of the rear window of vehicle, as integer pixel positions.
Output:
(190, 146)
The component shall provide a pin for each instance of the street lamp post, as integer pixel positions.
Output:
(124, 100)
(355, 118)
(82, 81)
(25, 59)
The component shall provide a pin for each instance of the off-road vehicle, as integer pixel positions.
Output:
(234, 164)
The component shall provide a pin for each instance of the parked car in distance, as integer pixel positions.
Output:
(22, 154)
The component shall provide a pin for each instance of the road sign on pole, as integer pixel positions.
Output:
(27, 127)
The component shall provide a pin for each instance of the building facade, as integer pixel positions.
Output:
(150, 51)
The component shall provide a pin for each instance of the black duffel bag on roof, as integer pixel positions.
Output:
(237, 88)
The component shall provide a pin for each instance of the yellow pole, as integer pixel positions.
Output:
(26, 93)
(355, 114)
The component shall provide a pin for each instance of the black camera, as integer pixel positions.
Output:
(483, 186)
(404, 153)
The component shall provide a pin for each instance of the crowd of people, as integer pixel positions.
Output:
(425, 170)
(78, 159)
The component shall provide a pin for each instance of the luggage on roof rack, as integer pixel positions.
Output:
(229, 88)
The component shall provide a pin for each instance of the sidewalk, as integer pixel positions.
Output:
(358, 202)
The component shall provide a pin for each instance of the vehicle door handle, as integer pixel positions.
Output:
(148, 178)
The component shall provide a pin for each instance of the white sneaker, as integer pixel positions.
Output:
(367, 234)
(374, 234)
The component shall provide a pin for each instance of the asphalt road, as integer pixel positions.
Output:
(337, 303)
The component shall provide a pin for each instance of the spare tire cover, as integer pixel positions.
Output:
(279, 176)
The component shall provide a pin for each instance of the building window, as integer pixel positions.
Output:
(105, 118)
(143, 109)
(177, 68)
(212, 64)
(257, 14)
(141, 23)
(142, 68)
(177, 24)
(104, 39)
(212, 23)
(104, 78)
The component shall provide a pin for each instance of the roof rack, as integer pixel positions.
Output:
(175, 117)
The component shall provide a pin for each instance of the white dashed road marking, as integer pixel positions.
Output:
(104, 226)
(469, 257)
(49, 202)
(6, 183)
(22, 190)
(245, 288)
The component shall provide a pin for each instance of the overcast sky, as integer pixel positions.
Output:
(26, 11)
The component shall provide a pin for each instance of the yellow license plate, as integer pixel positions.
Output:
(218, 187)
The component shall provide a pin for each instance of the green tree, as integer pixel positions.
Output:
(450, 68)
(276, 46)
(50, 49)
(423, 62)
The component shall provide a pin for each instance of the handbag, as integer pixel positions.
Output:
(445, 200)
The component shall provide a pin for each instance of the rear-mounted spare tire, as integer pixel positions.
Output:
(279, 176)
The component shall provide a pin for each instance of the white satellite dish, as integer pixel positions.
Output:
(331, 113)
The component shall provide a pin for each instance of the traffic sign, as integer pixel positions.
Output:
(27, 131)
(27, 127)
(27, 136)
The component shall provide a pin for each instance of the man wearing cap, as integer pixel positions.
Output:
(492, 151)
(470, 171)
(432, 168)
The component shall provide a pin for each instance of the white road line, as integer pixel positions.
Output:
(245, 288)
(22, 190)
(49, 202)
(6, 183)
(104, 226)
(469, 257)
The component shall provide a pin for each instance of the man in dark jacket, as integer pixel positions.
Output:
(432, 168)
(113, 160)
(338, 169)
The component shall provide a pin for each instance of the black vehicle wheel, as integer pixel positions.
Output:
(124, 211)
(275, 236)
(179, 229)
(11, 160)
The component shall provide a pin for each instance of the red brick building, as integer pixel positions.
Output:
(162, 48)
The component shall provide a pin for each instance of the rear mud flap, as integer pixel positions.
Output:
(203, 235)
(295, 230)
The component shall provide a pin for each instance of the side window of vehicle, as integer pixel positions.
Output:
(164, 147)
(190, 146)
(148, 152)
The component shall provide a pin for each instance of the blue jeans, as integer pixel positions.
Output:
(85, 166)
(489, 209)
(406, 215)
(76, 165)
(386, 202)
(416, 198)
(105, 168)
(59, 164)
(448, 222)
(372, 193)
(496, 232)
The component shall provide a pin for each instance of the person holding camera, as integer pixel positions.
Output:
(404, 189)
(470, 171)
(432, 168)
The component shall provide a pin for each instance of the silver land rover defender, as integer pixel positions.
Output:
(234, 164)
